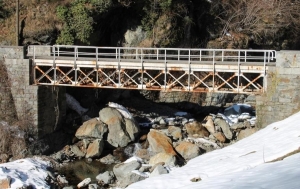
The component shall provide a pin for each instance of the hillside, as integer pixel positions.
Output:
(154, 23)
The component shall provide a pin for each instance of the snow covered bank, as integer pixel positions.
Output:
(25, 172)
(243, 164)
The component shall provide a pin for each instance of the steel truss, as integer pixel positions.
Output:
(194, 70)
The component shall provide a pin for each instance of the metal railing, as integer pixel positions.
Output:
(164, 54)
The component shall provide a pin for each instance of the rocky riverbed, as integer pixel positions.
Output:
(135, 150)
(125, 142)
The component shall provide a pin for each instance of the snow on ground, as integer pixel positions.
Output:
(244, 164)
(26, 172)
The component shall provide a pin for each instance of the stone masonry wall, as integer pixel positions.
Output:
(40, 106)
(282, 98)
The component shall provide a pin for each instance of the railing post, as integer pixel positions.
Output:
(165, 69)
(157, 53)
(54, 67)
(97, 66)
(75, 65)
(189, 72)
(119, 67)
(265, 79)
(239, 71)
(178, 54)
(34, 74)
(214, 68)
(142, 75)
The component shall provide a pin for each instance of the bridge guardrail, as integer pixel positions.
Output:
(165, 54)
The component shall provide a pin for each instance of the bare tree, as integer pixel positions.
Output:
(258, 19)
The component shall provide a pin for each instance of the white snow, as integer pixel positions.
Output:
(244, 164)
(26, 172)
(121, 109)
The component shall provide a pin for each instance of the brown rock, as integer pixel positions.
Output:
(175, 132)
(210, 126)
(5, 182)
(245, 133)
(167, 159)
(220, 137)
(160, 143)
(188, 150)
(196, 128)
(143, 154)
(91, 129)
(95, 149)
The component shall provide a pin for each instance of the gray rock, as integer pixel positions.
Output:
(95, 149)
(132, 128)
(84, 183)
(107, 177)
(122, 170)
(129, 179)
(145, 168)
(77, 152)
(109, 159)
(91, 129)
(225, 127)
(62, 180)
(159, 170)
(94, 186)
(238, 125)
(117, 136)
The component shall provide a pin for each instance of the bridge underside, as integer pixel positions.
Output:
(192, 76)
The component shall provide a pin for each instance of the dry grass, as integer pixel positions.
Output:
(36, 17)
(285, 156)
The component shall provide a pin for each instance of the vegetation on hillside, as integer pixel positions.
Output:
(167, 23)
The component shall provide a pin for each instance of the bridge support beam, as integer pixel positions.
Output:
(39, 107)
(282, 98)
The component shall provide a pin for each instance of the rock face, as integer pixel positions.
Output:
(245, 133)
(159, 142)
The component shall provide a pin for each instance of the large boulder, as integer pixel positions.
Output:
(159, 142)
(188, 150)
(209, 125)
(92, 128)
(117, 135)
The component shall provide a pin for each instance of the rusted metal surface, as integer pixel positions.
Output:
(168, 69)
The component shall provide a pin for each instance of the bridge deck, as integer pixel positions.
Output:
(218, 71)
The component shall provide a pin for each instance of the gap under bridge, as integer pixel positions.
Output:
(167, 69)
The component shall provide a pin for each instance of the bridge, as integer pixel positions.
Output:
(167, 69)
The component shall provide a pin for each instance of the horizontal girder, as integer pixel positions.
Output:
(208, 70)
